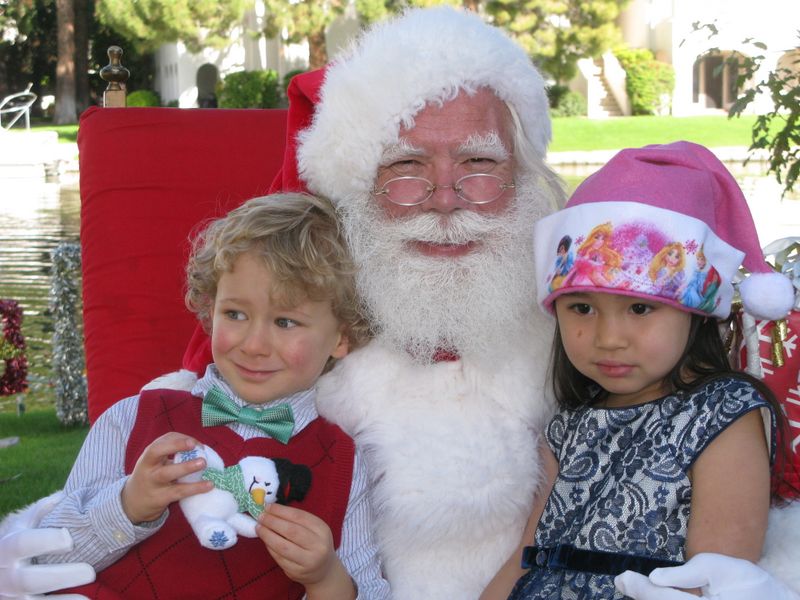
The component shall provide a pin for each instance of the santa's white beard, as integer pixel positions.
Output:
(471, 304)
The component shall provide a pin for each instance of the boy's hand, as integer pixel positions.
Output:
(153, 484)
(302, 545)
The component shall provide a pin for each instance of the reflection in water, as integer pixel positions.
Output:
(35, 216)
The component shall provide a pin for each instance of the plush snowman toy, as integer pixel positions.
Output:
(240, 493)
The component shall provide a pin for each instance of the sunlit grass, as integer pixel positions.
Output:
(66, 133)
(580, 133)
(40, 462)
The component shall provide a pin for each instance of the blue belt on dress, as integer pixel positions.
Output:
(565, 556)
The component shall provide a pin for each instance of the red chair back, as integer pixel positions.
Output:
(148, 178)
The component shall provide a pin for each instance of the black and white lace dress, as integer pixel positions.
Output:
(622, 497)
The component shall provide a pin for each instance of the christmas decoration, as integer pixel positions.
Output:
(68, 359)
(240, 493)
(12, 350)
(770, 351)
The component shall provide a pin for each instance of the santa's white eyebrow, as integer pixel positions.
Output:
(485, 144)
(402, 149)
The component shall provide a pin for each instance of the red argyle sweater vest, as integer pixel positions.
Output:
(172, 564)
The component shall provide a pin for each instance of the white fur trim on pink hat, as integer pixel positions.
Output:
(388, 76)
(635, 249)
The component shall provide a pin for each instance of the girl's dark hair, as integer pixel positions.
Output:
(703, 359)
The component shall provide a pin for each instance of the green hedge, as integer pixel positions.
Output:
(648, 79)
(249, 89)
(566, 103)
(288, 78)
(143, 98)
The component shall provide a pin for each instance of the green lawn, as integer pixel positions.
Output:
(580, 133)
(39, 464)
(66, 133)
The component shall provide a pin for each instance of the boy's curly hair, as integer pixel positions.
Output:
(300, 240)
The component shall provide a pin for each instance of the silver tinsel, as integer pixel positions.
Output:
(68, 357)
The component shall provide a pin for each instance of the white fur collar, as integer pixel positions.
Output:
(452, 454)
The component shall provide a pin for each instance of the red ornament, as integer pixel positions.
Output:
(12, 350)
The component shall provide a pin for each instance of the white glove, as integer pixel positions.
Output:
(719, 577)
(21, 580)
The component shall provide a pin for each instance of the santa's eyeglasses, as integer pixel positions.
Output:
(478, 188)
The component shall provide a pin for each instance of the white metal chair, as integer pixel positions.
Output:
(16, 106)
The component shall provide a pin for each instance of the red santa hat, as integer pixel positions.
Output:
(303, 95)
(667, 222)
(361, 101)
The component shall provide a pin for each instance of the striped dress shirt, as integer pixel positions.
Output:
(102, 533)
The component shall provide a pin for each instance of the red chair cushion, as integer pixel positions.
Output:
(148, 178)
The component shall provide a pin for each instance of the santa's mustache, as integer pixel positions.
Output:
(457, 228)
(461, 227)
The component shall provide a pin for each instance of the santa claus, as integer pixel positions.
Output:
(438, 176)
(430, 136)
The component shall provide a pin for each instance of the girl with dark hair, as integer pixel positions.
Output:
(660, 450)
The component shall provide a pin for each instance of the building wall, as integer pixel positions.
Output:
(176, 68)
(665, 27)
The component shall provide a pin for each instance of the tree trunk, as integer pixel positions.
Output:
(82, 12)
(317, 52)
(65, 67)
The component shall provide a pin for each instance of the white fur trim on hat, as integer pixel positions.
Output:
(391, 73)
(622, 248)
(767, 296)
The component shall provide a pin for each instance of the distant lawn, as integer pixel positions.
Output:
(39, 464)
(66, 133)
(580, 133)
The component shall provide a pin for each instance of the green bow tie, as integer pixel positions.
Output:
(276, 421)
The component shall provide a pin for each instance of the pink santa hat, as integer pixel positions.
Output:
(667, 222)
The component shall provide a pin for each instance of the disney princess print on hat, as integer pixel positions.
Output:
(645, 252)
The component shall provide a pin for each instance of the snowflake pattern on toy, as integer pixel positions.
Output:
(187, 455)
(218, 539)
(623, 486)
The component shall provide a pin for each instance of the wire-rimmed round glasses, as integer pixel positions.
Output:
(478, 188)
